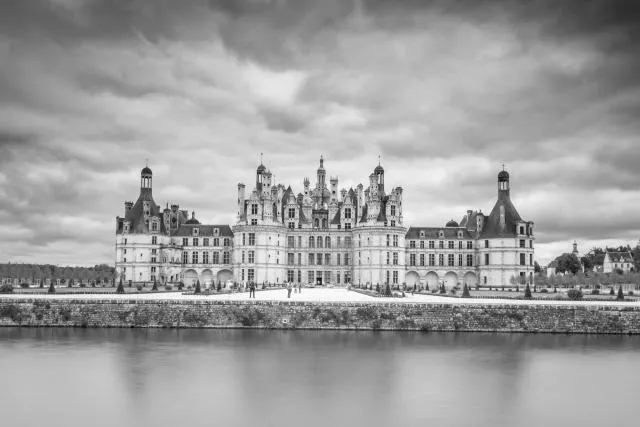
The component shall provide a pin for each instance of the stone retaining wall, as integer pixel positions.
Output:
(316, 315)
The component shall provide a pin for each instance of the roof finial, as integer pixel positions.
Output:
(260, 158)
(378, 159)
(146, 163)
(502, 165)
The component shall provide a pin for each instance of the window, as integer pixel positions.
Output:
(388, 239)
(319, 242)
(393, 223)
(299, 276)
(451, 260)
(251, 257)
(254, 221)
(312, 242)
(459, 260)
(310, 276)
(441, 244)
(291, 225)
(451, 244)
(486, 243)
(227, 242)
(347, 226)
(522, 243)
(242, 258)
(153, 260)
(154, 240)
(216, 241)
(412, 244)
(441, 259)
(291, 259)
(327, 242)
(469, 260)
(299, 258)
(251, 274)
(393, 210)
(395, 258)
(153, 251)
(254, 209)
(194, 257)
(460, 244)
(432, 259)
(422, 260)
(327, 259)
(319, 259)
(523, 259)
(216, 258)
(432, 244)
(316, 223)
(311, 259)
(195, 231)
(225, 258)
(346, 261)
(290, 276)
(388, 257)
(292, 213)
(486, 259)
(205, 241)
(337, 259)
(469, 244)
(395, 277)
(205, 257)
(521, 230)
(252, 239)
(242, 274)
(347, 242)
(185, 241)
(395, 240)
(195, 241)
(421, 244)
(530, 259)
(412, 259)
(531, 243)
(347, 213)
(324, 223)
(291, 240)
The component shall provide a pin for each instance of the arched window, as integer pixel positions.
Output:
(327, 242)
(324, 223)
(319, 242)
(316, 223)
(311, 242)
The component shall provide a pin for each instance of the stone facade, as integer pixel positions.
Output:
(323, 235)
(126, 313)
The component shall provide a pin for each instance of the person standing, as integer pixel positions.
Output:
(289, 288)
(300, 287)
(252, 290)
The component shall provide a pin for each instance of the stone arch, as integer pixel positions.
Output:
(190, 277)
(470, 279)
(207, 277)
(412, 278)
(223, 275)
(432, 280)
(450, 280)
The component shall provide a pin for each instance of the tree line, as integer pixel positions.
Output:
(570, 263)
(100, 272)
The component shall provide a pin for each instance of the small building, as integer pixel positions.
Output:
(614, 260)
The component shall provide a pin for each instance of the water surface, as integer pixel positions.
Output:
(158, 377)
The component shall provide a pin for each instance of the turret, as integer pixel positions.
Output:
(503, 185)
(379, 173)
(146, 177)
(321, 175)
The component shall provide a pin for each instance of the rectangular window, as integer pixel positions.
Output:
(194, 258)
(523, 259)
(451, 260)
(395, 258)
(421, 244)
(216, 258)
(195, 241)
(347, 242)
(311, 259)
(251, 274)
(310, 277)
(242, 258)
(459, 260)
(522, 243)
(451, 244)
(291, 259)
(216, 241)
(319, 259)
(205, 257)
(486, 243)
(393, 223)
(469, 260)
(441, 259)
(292, 213)
(244, 240)
(393, 210)
(327, 259)
(337, 259)
(422, 260)
(299, 258)
(225, 258)
(205, 241)
(346, 260)
(531, 243)
(388, 257)
(153, 260)
(252, 239)
(299, 276)
(254, 221)
(395, 241)
(254, 209)
(395, 277)
(460, 244)
(290, 277)
(432, 244)
(412, 244)
(387, 278)
(347, 213)
(252, 257)
(412, 259)
(469, 244)
(242, 274)
(347, 226)
(486, 259)
(291, 225)
(154, 240)
(185, 241)
(441, 244)
(530, 259)
(432, 260)
(291, 241)
(227, 241)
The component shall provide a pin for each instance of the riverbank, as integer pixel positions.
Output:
(319, 309)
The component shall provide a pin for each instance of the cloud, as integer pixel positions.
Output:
(444, 91)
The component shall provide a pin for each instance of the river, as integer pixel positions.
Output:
(162, 377)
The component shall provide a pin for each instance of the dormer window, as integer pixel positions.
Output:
(195, 231)
(441, 234)
(459, 234)
(422, 234)
(216, 231)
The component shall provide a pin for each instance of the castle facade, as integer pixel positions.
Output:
(322, 236)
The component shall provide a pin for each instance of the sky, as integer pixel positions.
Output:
(443, 92)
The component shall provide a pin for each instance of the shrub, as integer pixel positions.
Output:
(6, 289)
(595, 292)
(139, 288)
(452, 291)
(620, 296)
(52, 289)
(611, 291)
(168, 287)
(120, 289)
(465, 291)
(24, 285)
(630, 293)
(83, 285)
(574, 294)
(442, 290)
(219, 287)
(197, 290)
(527, 292)
(181, 285)
(544, 291)
(387, 290)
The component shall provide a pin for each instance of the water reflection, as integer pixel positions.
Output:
(156, 377)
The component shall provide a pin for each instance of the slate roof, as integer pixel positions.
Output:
(204, 230)
(434, 233)
(492, 226)
(136, 215)
(617, 256)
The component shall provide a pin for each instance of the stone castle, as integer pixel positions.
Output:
(322, 236)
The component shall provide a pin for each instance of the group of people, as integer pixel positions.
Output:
(290, 287)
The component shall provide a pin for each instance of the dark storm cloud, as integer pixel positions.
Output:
(445, 91)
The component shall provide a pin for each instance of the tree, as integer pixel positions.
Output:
(465, 291)
(527, 292)
(387, 290)
(587, 262)
(536, 267)
(568, 263)
(155, 285)
(620, 296)
(120, 289)
(197, 290)
(52, 289)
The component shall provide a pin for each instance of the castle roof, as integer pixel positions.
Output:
(434, 233)
(493, 228)
(204, 230)
(619, 256)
